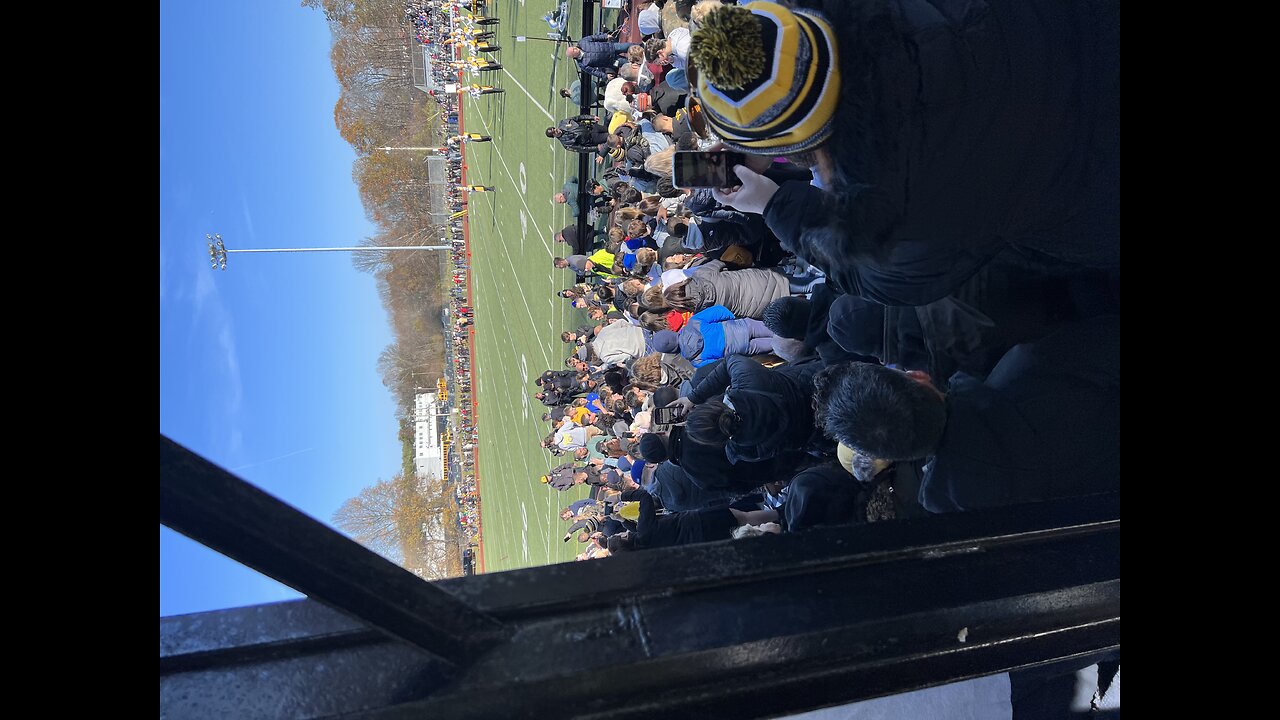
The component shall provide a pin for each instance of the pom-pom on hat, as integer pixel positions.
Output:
(768, 77)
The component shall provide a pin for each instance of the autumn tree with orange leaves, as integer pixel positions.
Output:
(407, 519)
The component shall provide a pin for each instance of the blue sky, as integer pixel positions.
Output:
(267, 368)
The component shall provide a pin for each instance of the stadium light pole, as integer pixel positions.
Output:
(218, 251)
(429, 149)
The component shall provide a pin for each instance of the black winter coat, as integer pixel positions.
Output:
(970, 126)
(598, 55)
(679, 493)
(776, 406)
(1045, 424)
(677, 528)
(582, 133)
(709, 468)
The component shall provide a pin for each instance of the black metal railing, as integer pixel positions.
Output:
(748, 628)
(212, 506)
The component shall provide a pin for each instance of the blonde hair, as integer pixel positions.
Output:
(646, 256)
(698, 14)
(660, 163)
(642, 422)
(622, 287)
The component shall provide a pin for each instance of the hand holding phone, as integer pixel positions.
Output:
(674, 411)
(665, 415)
(693, 169)
(752, 196)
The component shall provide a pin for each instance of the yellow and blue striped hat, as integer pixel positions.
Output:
(768, 77)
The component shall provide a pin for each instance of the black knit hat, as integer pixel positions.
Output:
(857, 325)
(664, 396)
(652, 448)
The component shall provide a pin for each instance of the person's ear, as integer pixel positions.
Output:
(919, 376)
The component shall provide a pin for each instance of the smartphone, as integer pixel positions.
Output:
(692, 169)
(665, 415)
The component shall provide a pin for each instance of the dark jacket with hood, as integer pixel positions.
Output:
(710, 469)
(818, 337)
(653, 530)
(718, 226)
(678, 492)
(823, 495)
(970, 127)
(776, 406)
(1045, 424)
(582, 133)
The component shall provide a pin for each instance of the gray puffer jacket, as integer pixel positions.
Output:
(745, 292)
(618, 343)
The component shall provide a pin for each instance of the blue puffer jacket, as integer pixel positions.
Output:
(712, 334)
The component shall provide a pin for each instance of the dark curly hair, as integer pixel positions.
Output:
(879, 411)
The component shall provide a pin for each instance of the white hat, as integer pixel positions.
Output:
(648, 20)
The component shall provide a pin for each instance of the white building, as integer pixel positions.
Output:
(423, 74)
(428, 457)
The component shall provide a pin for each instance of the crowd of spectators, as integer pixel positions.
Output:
(905, 301)
(453, 34)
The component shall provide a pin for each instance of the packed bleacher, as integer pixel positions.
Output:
(901, 299)
(841, 262)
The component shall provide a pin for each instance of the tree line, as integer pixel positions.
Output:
(406, 519)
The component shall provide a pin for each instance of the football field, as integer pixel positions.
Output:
(518, 317)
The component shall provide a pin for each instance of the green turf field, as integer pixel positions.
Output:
(518, 319)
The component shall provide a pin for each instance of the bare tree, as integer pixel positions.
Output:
(408, 520)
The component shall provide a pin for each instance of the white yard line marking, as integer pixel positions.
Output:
(541, 348)
(526, 92)
(498, 152)
(511, 493)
